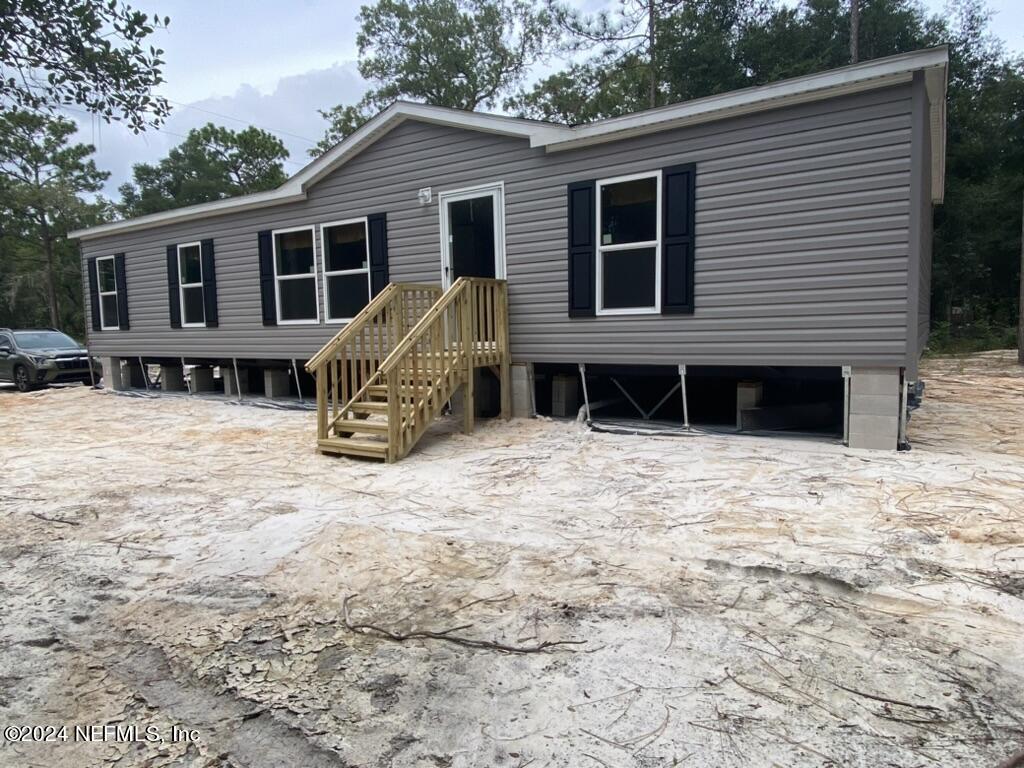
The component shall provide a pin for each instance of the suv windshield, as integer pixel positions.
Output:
(44, 340)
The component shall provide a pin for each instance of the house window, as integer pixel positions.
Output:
(629, 244)
(106, 282)
(190, 285)
(295, 276)
(346, 253)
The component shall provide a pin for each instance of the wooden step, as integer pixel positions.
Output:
(363, 425)
(369, 407)
(381, 390)
(349, 446)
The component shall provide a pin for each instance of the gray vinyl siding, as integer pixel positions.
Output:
(802, 233)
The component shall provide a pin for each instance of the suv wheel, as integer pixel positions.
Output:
(21, 379)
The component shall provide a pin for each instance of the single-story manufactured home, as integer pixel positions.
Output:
(769, 249)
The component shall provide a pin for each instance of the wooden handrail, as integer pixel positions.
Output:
(347, 364)
(449, 297)
(359, 321)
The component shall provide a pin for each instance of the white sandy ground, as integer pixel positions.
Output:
(741, 601)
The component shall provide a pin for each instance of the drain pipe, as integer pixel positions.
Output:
(686, 407)
(92, 376)
(184, 375)
(238, 383)
(145, 373)
(298, 386)
(586, 397)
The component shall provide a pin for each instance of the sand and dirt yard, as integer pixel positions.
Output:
(536, 594)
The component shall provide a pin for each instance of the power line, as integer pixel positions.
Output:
(164, 130)
(241, 120)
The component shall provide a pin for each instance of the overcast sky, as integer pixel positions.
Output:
(273, 64)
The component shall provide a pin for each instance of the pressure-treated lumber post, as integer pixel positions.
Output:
(468, 306)
(321, 402)
(394, 417)
(506, 356)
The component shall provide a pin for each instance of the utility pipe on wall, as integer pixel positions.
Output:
(586, 397)
(686, 407)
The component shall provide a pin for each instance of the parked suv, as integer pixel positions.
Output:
(35, 358)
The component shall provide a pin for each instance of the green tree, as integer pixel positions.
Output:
(86, 52)
(647, 54)
(977, 234)
(464, 54)
(212, 163)
(43, 177)
(710, 46)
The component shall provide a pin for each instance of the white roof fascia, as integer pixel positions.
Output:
(296, 187)
(537, 132)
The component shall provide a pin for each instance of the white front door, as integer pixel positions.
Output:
(472, 233)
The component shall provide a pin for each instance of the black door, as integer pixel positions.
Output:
(471, 237)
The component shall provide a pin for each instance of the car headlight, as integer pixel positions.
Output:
(43, 362)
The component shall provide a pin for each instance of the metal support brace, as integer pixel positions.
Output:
(847, 374)
(184, 375)
(145, 373)
(686, 406)
(646, 415)
(901, 439)
(238, 384)
(586, 397)
(298, 386)
(92, 376)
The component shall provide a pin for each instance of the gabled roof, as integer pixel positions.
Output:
(554, 137)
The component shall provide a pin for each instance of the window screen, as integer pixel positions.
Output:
(297, 299)
(295, 253)
(628, 245)
(190, 272)
(347, 269)
(629, 211)
(629, 278)
(296, 276)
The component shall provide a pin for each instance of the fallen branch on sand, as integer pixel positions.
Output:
(54, 519)
(448, 635)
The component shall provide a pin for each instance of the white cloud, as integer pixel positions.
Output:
(289, 111)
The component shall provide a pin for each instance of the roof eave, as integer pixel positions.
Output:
(287, 193)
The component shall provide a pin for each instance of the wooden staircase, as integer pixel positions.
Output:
(385, 377)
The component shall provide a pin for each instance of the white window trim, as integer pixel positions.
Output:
(101, 293)
(495, 189)
(182, 286)
(656, 244)
(340, 272)
(278, 278)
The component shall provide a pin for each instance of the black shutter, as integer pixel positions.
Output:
(678, 187)
(122, 292)
(377, 224)
(94, 294)
(173, 294)
(267, 278)
(209, 284)
(582, 209)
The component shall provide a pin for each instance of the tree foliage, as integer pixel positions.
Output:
(464, 54)
(210, 164)
(42, 179)
(703, 47)
(90, 53)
